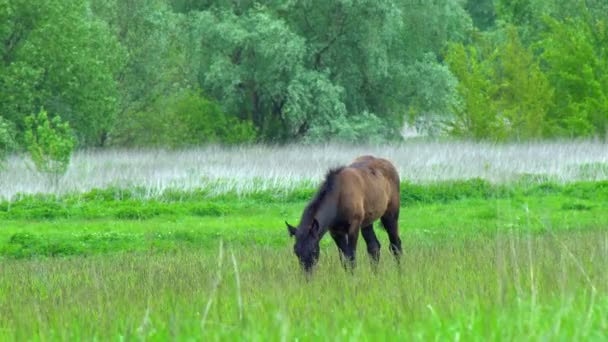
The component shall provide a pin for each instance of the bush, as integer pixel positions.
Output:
(208, 209)
(185, 119)
(134, 210)
(50, 144)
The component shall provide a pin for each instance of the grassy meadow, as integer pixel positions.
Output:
(191, 245)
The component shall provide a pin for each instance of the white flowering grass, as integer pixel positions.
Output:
(253, 168)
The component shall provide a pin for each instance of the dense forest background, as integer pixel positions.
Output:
(176, 73)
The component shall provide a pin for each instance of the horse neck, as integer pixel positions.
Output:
(326, 213)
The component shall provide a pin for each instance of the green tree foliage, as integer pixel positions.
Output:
(384, 53)
(524, 93)
(310, 70)
(428, 86)
(184, 119)
(575, 52)
(7, 140)
(431, 94)
(50, 144)
(317, 70)
(505, 95)
(590, 10)
(358, 45)
(430, 25)
(516, 12)
(569, 40)
(257, 66)
(476, 114)
(483, 13)
(248, 63)
(56, 55)
(149, 33)
(526, 16)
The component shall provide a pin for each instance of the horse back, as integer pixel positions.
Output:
(383, 169)
(370, 188)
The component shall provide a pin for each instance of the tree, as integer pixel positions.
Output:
(7, 140)
(524, 93)
(256, 66)
(589, 10)
(476, 114)
(429, 26)
(50, 144)
(56, 55)
(505, 95)
(300, 70)
(249, 63)
(375, 49)
(483, 13)
(526, 16)
(150, 34)
(432, 94)
(574, 51)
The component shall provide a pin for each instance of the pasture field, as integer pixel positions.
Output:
(480, 261)
(516, 254)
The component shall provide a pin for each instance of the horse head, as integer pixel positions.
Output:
(306, 246)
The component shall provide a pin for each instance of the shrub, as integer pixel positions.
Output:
(185, 119)
(208, 209)
(50, 144)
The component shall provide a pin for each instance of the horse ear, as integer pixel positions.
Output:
(314, 227)
(291, 229)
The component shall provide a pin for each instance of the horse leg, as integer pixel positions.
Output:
(342, 242)
(352, 237)
(390, 223)
(373, 245)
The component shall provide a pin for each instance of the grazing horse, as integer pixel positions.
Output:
(350, 199)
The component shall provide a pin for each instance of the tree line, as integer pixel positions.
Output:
(176, 73)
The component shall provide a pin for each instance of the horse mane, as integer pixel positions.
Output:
(326, 187)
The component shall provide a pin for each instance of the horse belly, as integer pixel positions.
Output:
(367, 221)
(374, 209)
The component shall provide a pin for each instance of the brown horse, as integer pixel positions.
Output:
(350, 199)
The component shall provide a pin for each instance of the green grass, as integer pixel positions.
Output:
(523, 262)
(509, 287)
(249, 223)
(133, 203)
